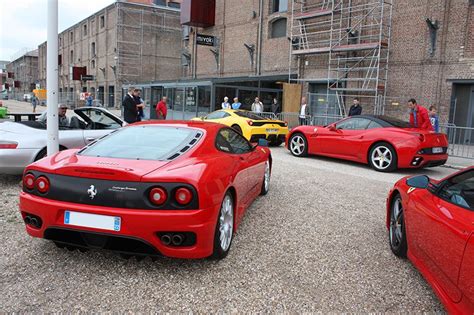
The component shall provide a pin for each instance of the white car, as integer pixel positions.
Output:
(22, 143)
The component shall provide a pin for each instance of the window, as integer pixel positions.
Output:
(459, 190)
(84, 32)
(374, 125)
(102, 21)
(248, 115)
(229, 140)
(279, 6)
(217, 115)
(71, 37)
(93, 64)
(71, 56)
(353, 124)
(93, 49)
(278, 28)
(173, 4)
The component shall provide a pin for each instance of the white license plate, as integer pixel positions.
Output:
(272, 130)
(95, 221)
(437, 150)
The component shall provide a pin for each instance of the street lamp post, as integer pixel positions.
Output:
(52, 78)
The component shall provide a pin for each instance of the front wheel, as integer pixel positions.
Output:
(397, 231)
(298, 145)
(383, 157)
(224, 228)
(266, 180)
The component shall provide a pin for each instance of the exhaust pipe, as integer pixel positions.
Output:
(177, 239)
(34, 222)
(166, 239)
(27, 220)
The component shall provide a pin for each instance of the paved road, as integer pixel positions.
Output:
(316, 242)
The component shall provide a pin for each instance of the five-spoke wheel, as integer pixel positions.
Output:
(397, 235)
(225, 228)
(298, 145)
(383, 158)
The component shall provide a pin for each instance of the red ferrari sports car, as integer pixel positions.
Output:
(384, 143)
(432, 222)
(178, 189)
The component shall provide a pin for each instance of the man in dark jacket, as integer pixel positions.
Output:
(355, 109)
(419, 117)
(130, 112)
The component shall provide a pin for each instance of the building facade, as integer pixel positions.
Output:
(125, 43)
(22, 75)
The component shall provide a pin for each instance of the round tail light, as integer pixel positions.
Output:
(42, 184)
(29, 181)
(250, 122)
(183, 196)
(158, 196)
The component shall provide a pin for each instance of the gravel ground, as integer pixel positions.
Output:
(315, 243)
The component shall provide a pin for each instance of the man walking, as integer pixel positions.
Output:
(355, 109)
(162, 108)
(419, 116)
(304, 111)
(130, 112)
(257, 106)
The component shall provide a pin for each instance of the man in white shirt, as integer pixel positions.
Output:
(257, 106)
(304, 111)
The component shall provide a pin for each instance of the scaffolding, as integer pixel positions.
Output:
(355, 37)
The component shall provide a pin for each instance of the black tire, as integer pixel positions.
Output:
(219, 251)
(276, 143)
(266, 180)
(383, 157)
(397, 232)
(237, 128)
(298, 145)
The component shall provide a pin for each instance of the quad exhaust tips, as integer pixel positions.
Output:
(33, 221)
(166, 239)
(177, 239)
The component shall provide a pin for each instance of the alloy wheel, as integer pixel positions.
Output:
(297, 145)
(226, 223)
(382, 157)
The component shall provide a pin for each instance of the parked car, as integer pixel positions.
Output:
(22, 143)
(432, 223)
(382, 142)
(149, 189)
(250, 125)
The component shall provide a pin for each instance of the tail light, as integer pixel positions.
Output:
(250, 122)
(183, 196)
(286, 124)
(42, 184)
(8, 145)
(29, 181)
(158, 196)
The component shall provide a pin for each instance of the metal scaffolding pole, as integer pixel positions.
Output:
(52, 78)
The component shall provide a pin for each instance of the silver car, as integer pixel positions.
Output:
(22, 143)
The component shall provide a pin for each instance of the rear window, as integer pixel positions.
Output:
(395, 122)
(144, 143)
(249, 115)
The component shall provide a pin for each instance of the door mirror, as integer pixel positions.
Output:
(332, 127)
(420, 181)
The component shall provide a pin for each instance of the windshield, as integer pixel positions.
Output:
(395, 122)
(249, 115)
(143, 143)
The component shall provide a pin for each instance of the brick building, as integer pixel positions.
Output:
(125, 43)
(22, 74)
(428, 44)
(3, 75)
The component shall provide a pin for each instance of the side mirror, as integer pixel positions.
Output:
(332, 127)
(262, 143)
(420, 181)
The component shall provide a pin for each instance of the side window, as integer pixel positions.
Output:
(216, 115)
(104, 121)
(459, 190)
(227, 137)
(374, 125)
(353, 124)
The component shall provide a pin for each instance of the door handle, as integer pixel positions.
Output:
(90, 139)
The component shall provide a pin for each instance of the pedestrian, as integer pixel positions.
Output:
(434, 118)
(225, 104)
(236, 104)
(304, 111)
(257, 106)
(275, 106)
(89, 100)
(140, 104)
(355, 109)
(419, 117)
(34, 102)
(130, 112)
(162, 108)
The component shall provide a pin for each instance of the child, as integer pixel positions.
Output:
(434, 118)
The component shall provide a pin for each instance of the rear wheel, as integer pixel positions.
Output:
(266, 180)
(383, 157)
(397, 232)
(298, 145)
(224, 228)
(237, 128)
(41, 154)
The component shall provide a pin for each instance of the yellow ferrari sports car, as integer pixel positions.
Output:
(250, 125)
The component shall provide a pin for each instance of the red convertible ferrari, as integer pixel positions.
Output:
(432, 222)
(179, 189)
(382, 142)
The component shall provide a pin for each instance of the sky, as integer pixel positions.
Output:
(23, 23)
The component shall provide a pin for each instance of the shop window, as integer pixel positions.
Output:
(279, 6)
(278, 28)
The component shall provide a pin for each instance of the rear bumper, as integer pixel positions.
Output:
(422, 160)
(138, 232)
(14, 161)
(270, 137)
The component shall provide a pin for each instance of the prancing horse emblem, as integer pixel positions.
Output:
(92, 191)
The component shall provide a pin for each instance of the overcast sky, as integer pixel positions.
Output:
(23, 23)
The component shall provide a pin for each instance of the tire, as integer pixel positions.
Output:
(266, 180)
(383, 157)
(298, 145)
(397, 232)
(237, 128)
(224, 226)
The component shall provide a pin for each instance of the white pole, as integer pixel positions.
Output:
(52, 78)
